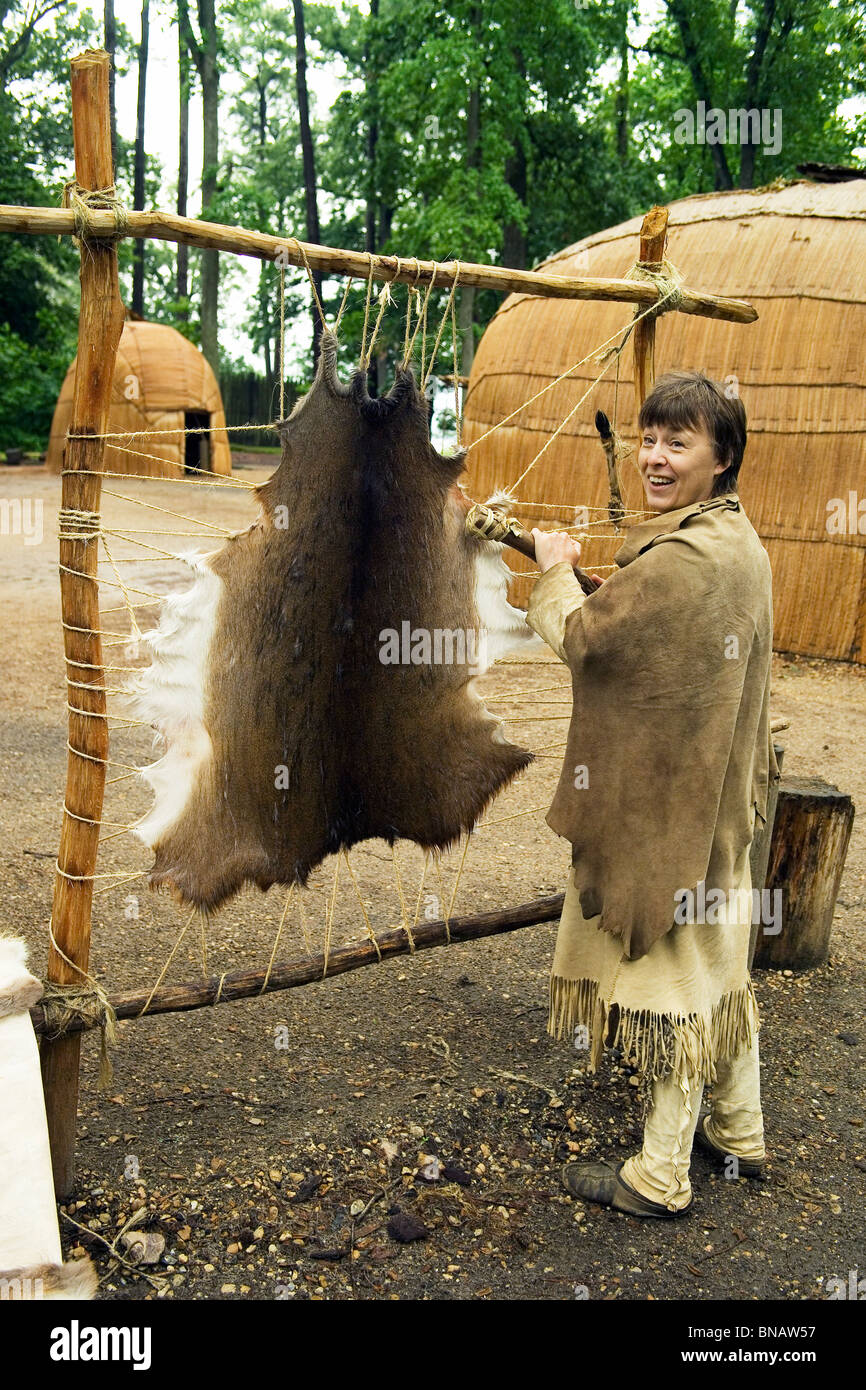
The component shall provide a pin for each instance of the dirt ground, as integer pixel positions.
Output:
(269, 1145)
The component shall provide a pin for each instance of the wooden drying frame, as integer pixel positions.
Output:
(100, 326)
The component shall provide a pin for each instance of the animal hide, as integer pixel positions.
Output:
(289, 734)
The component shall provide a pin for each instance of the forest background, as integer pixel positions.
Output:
(489, 130)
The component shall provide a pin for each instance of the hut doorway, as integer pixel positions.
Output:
(197, 446)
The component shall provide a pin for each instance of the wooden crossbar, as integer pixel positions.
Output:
(330, 260)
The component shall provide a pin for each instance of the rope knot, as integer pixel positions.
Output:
(667, 280)
(84, 201)
(64, 1006)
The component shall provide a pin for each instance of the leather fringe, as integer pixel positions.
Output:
(656, 1044)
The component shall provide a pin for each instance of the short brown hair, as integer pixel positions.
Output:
(682, 400)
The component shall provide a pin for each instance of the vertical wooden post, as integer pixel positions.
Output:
(99, 328)
(653, 236)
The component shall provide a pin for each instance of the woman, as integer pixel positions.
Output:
(667, 766)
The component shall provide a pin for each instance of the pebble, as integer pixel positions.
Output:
(405, 1227)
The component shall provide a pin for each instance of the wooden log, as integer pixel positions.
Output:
(100, 325)
(807, 856)
(759, 855)
(244, 984)
(330, 260)
(653, 237)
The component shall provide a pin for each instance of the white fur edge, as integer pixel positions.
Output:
(169, 694)
(76, 1279)
(18, 988)
(505, 626)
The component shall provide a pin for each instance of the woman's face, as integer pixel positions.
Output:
(677, 467)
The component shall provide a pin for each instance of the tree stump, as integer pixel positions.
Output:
(759, 856)
(807, 854)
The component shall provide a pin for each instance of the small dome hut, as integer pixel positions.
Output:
(796, 252)
(161, 382)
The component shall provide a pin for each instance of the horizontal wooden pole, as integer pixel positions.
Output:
(167, 226)
(244, 984)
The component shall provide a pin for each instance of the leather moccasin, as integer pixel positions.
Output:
(601, 1182)
(746, 1167)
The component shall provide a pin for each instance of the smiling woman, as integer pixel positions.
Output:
(693, 437)
(666, 773)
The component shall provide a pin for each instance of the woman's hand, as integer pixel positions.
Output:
(551, 547)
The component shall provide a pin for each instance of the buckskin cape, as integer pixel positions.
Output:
(669, 753)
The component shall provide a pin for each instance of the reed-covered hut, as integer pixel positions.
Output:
(796, 251)
(161, 382)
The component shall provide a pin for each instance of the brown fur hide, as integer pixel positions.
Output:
(361, 530)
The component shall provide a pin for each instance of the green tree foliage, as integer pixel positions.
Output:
(38, 276)
(491, 130)
(794, 60)
(265, 187)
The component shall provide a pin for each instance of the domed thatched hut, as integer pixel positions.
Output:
(161, 382)
(797, 253)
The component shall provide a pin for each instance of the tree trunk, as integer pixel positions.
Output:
(371, 213)
(182, 288)
(700, 82)
(386, 219)
(138, 181)
(111, 48)
(307, 153)
(265, 272)
(466, 307)
(466, 328)
(204, 54)
(264, 301)
(622, 102)
(210, 268)
(752, 100)
(514, 238)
